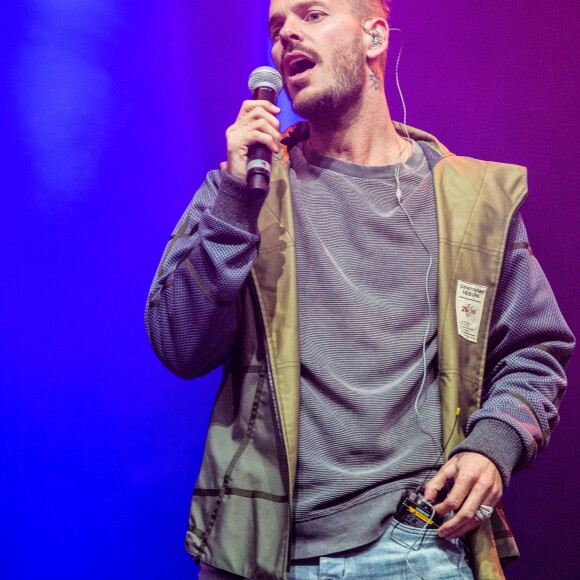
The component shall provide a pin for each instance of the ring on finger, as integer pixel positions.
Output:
(484, 512)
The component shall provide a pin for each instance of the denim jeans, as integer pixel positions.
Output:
(401, 553)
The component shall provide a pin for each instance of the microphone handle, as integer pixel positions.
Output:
(259, 156)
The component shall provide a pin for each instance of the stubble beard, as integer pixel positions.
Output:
(336, 103)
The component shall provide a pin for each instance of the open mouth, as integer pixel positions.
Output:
(299, 65)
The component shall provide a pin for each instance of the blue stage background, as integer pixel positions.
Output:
(112, 113)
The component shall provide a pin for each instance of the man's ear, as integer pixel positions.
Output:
(377, 40)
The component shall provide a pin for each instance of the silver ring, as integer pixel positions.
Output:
(484, 512)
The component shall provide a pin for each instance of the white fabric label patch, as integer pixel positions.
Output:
(469, 302)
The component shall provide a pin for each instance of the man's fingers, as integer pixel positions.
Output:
(250, 105)
(259, 136)
(258, 131)
(256, 123)
(253, 110)
(465, 481)
(444, 476)
(477, 482)
(257, 117)
(460, 530)
(465, 519)
(238, 134)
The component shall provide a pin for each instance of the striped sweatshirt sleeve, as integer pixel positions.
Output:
(191, 311)
(529, 347)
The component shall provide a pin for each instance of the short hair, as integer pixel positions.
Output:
(371, 8)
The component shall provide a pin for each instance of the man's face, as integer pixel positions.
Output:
(319, 50)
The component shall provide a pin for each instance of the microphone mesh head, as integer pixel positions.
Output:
(265, 76)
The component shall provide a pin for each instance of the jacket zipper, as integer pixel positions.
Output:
(285, 475)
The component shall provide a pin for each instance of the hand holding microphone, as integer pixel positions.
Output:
(255, 135)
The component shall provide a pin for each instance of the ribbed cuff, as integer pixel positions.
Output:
(235, 205)
(499, 442)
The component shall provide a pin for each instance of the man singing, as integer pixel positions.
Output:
(391, 349)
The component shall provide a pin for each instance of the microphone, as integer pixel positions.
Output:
(264, 83)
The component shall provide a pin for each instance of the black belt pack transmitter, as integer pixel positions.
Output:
(417, 512)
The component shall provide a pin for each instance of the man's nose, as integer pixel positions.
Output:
(290, 33)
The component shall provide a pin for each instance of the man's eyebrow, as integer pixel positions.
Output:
(278, 17)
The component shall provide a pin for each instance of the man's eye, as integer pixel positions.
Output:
(314, 16)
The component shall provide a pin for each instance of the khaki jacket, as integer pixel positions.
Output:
(241, 508)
